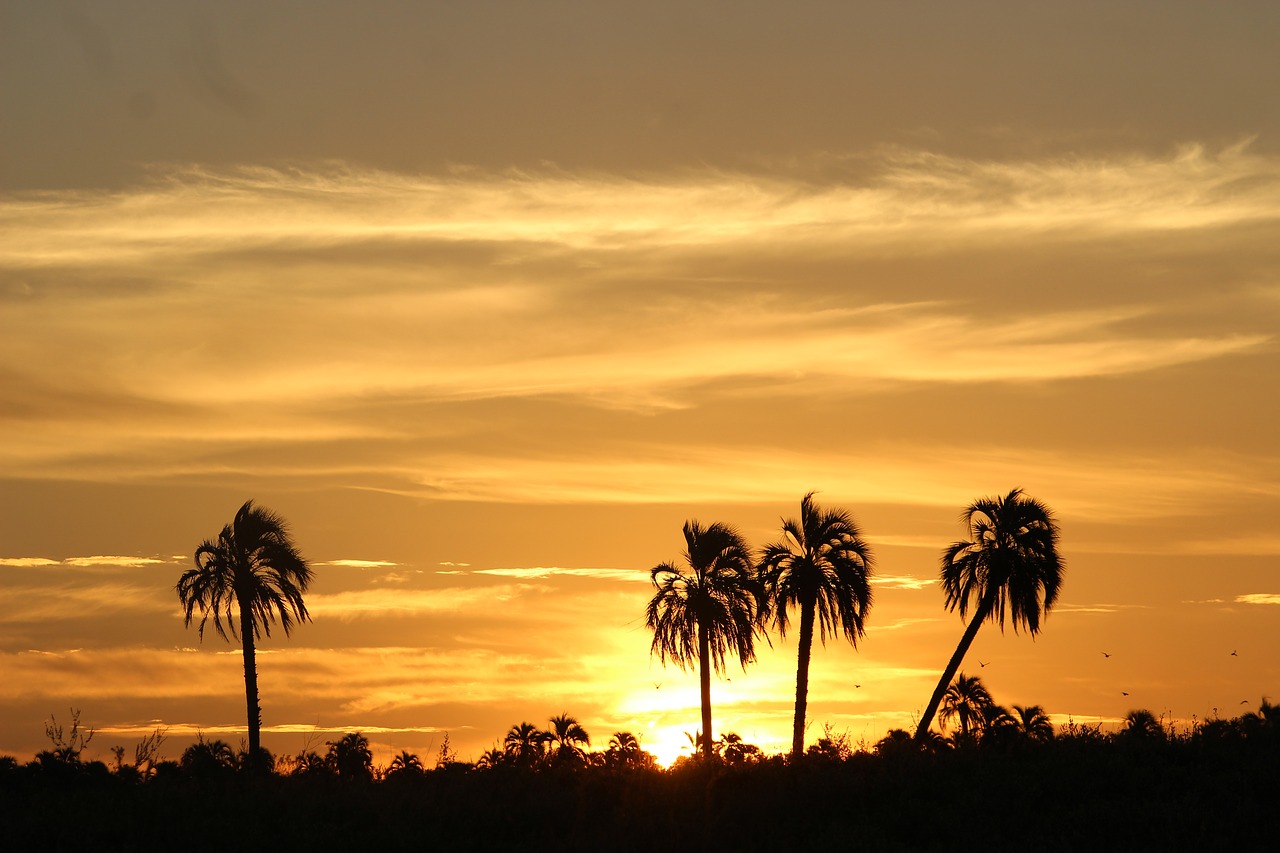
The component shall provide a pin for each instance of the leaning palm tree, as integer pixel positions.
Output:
(707, 612)
(251, 574)
(823, 568)
(1009, 563)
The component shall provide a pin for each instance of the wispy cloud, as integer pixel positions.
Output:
(1259, 598)
(549, 571)
(903, 582)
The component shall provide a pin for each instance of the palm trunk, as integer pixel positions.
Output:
(953, 666)
(802, 679)
(251, 685)
(704, 657)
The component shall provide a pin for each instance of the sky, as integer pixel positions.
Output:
(488, 299)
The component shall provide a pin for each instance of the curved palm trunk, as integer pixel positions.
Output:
(251, 685)
(802, 679)
(704, 677)
(953, 666)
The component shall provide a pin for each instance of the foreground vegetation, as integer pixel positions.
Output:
(1213, 786)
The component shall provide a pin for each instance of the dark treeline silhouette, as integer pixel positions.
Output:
(1147, 785)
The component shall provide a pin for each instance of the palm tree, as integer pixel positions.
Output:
(523, 744)
(1142, 724)
(350, 757)
(966, 701)
(824, 568)
(407, 764)
(567, 740)
(491, 758)
(208, 758)
(707, 612)
(254, 571)
(1009, 563)
(1032, 722)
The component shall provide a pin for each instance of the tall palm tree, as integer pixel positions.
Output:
(967, 702)
(822, 567)
(251, 574)
(707, 612)
(1009, 563)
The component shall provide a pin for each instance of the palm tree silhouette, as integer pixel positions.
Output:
(523, 744)
(823, 567)
(966, 701)
(707, 612)
(1009, 563)
(350, 757)
(567, 740)
(1142, 724)
(407, 764)
(1032, 722)
(252, 570)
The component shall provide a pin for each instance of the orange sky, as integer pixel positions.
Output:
(488, 299)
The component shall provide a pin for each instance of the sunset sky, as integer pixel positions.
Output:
(487, 299)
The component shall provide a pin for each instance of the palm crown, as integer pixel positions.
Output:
(1010, 559)
(253, 565)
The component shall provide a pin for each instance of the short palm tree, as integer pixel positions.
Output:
(707, 612)
(1032, 722)
(823, 568)
(966, 701)
(350, 757)
(523, 744)
(567, 740)
(1009, 563)
(1143, 724)
(406, 764)
(248, 577)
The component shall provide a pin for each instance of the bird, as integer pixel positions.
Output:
(1233, 654)
(1122, 693)
(1106, 654)
(1244, 701)
(983, 665)
(857, 685)
(657, 684)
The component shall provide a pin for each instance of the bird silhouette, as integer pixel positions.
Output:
(1122, 693)
(857, 685)
(1233, 654)
(657, 684)
(1106, 654)
(983, 665)
(1244, 701)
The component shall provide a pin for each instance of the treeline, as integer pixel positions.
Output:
(1147, 786)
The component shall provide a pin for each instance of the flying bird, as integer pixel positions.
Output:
(983, 665)
(1233, 654)
(1106, 654)
(1122, 693)
(857, 685)
(657, 684)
